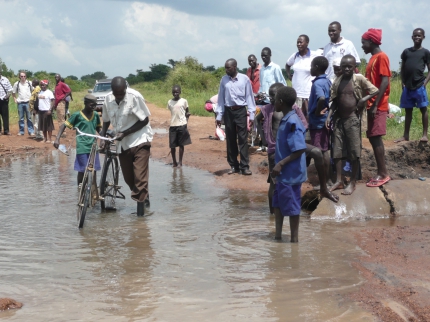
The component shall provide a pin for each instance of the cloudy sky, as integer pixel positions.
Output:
(117, 37)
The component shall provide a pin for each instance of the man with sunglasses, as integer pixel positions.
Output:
(21, 93)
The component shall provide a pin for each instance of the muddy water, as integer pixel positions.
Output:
(200, 254)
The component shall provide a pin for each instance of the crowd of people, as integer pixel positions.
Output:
(319, 117)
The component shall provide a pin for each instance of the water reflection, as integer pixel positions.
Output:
(201, 253)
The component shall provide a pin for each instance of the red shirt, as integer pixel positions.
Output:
(61, 89)
(255, 83)
(378, 66)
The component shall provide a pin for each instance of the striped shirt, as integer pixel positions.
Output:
(5, 87)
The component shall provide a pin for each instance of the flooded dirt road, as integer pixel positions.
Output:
(201, 253)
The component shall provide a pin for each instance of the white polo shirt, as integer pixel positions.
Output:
(338, 50)
(123, 116)
(302, 79)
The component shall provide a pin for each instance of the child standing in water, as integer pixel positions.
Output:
(178, 132)
(87, 121)
(290, 160)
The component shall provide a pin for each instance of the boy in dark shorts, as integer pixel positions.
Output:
(87, 121)
(349, 94)
(178, 132)
(271, 120)
(378, 73)
(290, 160)
(414, 62)
(318, 105)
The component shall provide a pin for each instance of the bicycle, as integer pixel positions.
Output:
(109, 188)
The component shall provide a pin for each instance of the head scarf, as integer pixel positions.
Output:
(44, 82)
(374, 35)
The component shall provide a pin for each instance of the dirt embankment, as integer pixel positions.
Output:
(396, 270)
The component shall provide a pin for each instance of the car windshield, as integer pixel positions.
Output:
(102, 87)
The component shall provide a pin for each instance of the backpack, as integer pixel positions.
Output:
(29, 85)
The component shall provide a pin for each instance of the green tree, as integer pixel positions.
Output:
(172, 63)
(72, 77)
(159, 71)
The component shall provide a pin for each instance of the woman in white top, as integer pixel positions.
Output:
(46, 104)
(300, 62)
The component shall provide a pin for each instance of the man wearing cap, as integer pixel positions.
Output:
(337, 48)
(62, 91)
(126, 110)
(5, 92)
(378, 73)
(87, 121)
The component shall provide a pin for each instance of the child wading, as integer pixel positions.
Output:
(414, 62)
(290, 168)
(350, 94)
(178, 132)
(87, 121)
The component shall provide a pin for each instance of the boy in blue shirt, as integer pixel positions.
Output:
(290, 160)
(318, 110)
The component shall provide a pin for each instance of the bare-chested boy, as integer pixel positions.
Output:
(349, 94)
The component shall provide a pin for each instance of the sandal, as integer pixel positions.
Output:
(377, 182)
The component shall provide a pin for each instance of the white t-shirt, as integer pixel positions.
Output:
(338, 50)
(45, 98)
(24, 91)
(302, 79)
(178, 110)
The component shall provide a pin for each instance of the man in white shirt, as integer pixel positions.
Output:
(270, 73)
(21, 93)
(126, 110)
(5, 91)
(337, 48)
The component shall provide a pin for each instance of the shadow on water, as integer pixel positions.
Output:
(201, 253)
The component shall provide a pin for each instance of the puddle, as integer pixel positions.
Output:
(201, 253)
(160, 131)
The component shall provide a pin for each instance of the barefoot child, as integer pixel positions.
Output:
(178, 132)
(349, 93)
(87, 121)
(414, 62)
(271, 120)
(290, 160)
(318, 105)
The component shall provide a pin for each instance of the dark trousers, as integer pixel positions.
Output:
(134, 166)
(4, 113)
(236, 133)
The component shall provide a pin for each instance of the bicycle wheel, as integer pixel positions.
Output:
(84, 198)
(109, 183)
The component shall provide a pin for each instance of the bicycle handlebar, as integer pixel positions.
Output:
(94, 135)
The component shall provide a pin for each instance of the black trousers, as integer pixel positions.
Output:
(236, 133)
(4, 113)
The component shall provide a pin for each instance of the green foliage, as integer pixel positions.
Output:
(72, 77)
(91, 79)
(7, 72)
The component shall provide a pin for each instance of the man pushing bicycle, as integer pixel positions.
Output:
(126, 110)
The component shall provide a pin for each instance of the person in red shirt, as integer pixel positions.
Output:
(378, 73)
(253, 73)
(61, 92)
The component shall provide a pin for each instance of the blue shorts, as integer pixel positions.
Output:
(81, 162)
(287, 198)
(411, 98)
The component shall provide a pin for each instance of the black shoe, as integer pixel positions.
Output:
(233, 170)
(246, 172)
(140, 209)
